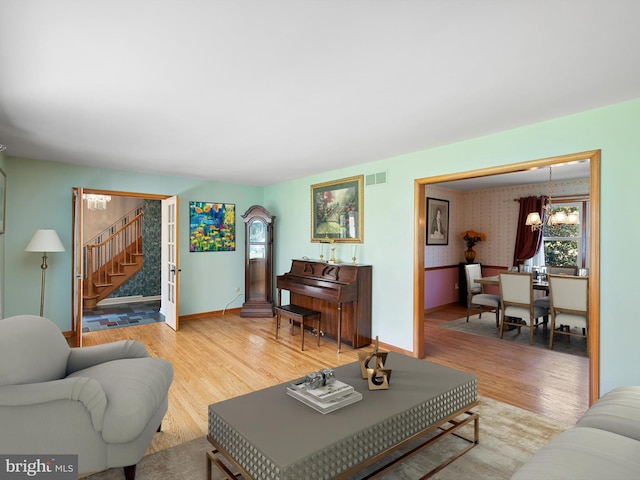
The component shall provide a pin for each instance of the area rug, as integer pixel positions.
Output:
(121, 315)
(508, 437)
(486, 327)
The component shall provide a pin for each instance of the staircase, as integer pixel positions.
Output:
(111, 262)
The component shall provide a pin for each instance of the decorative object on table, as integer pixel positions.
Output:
(355, 249)
(322, 378)
(333, 255)
(258, 261)
(328, 406)
(337, 210)
(377, 376)
(313, 387)
(212, 227)
(323, 392)
(44, 241)
(437, 221)
(471, 238)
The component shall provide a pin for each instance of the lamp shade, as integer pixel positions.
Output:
(45, 241)
(533, 219)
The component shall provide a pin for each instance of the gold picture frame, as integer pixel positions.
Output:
(337, 211)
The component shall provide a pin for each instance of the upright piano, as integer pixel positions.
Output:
(341, 292)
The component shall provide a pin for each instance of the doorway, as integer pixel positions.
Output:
(121, 244)
(594, 292)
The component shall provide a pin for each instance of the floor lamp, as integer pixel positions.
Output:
(44, 241)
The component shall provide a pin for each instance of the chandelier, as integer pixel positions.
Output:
(96, 202)
(551, 218)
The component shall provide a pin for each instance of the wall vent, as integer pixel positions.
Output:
(375, 178)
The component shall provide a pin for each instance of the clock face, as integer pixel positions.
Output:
(257, 232)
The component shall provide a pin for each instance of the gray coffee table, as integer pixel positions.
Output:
(270, 435)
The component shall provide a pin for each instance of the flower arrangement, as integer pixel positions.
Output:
(472, 237)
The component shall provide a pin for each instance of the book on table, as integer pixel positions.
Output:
(324, 406)
(324, 393)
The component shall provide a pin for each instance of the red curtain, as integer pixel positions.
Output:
(528, 242)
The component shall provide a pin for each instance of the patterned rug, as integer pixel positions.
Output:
(121, 315)
(486, 327)
(508, 437)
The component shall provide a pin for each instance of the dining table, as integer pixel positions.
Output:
(495, 281)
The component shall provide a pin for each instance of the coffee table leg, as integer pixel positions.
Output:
(211, 459)
(339, 326)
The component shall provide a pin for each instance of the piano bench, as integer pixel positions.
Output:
(297, 314)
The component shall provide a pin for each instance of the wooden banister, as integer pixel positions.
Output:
(109, 257)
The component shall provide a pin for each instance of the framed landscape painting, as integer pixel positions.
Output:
(337, 211)
(212, 227)
(437, 221)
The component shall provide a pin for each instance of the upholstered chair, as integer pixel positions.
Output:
(562, 270)
(103, 403)
(516, 295)
(476, 298)
(569, 306)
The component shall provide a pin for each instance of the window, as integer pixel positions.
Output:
(564, 245)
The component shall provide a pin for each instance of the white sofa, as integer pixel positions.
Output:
(604, 443)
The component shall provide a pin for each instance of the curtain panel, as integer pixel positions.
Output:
(528, 242)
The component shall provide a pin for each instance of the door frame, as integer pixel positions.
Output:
(594, 157)
(77, 284)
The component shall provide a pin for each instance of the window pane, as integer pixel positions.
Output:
(561, 252)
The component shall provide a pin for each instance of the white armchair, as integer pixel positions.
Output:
(103, 403)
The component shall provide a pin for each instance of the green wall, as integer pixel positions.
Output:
(2, 255)
(39, 196)
(388, 219)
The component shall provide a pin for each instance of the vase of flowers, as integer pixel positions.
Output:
(471, 238)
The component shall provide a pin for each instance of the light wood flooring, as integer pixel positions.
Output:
(221, 356)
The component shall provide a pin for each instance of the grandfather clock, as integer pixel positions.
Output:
(258, 228)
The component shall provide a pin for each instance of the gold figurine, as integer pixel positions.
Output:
(377, 376)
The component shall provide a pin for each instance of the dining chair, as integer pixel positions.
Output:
(553, 270)
(569, 306)
(516, 295)
(476, 298)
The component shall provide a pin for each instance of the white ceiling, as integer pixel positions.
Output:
(262, 91)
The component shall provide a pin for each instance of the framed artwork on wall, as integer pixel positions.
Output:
(212, 227)
(438, 221)
(337, 211)
(3, 198)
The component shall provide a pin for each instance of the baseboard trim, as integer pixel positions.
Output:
(440, 307)
(129, 299)
(197, 316)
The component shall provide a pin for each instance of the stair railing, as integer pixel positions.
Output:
(102, 258)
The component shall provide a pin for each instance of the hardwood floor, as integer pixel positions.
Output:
(550, 383)
(221, 356)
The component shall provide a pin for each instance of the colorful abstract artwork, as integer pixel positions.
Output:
(212, 227)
